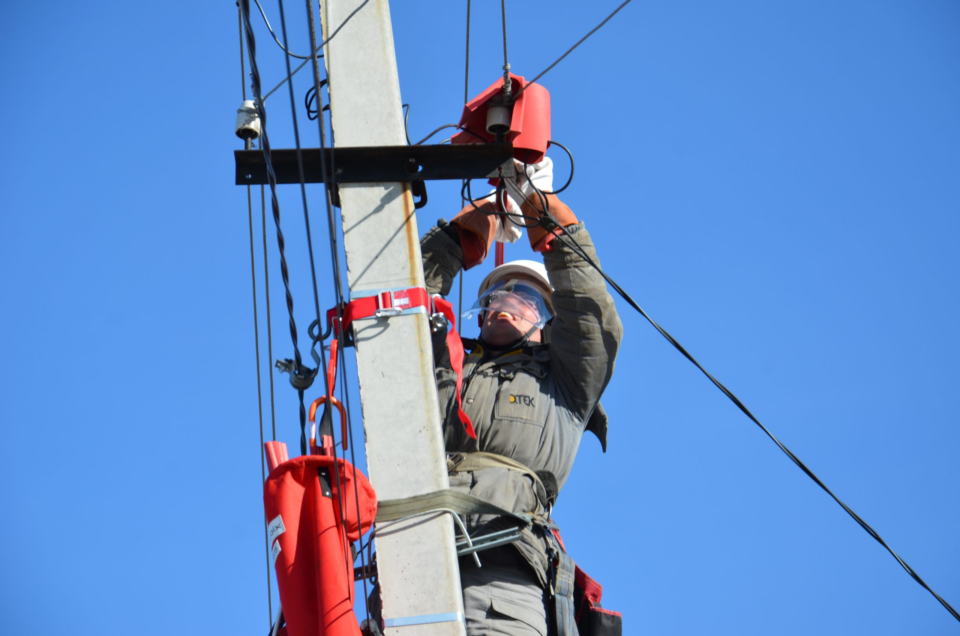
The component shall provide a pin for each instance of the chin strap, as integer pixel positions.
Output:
(519, 343)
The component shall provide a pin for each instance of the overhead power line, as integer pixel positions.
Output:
(570, 50)
(740, 405)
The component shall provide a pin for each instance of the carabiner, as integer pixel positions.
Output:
(313, 419)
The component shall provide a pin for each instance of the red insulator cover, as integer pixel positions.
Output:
(529, 124)
(309, 541)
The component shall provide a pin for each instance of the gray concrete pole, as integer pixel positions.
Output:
(417, 561)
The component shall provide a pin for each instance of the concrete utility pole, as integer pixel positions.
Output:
(417, 559)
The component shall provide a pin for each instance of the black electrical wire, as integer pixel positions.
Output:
(309, 98)
(270, 29)
(406, 118)
(434, 133)
(256, 332)
(320, 46)
(338, 288)
(565, 236)
(572, 168)
(507, 82)
(306, 220)
(266, 284)
(271, 178)
(570, 50)
(466, 100)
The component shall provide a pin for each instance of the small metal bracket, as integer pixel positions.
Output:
(301, 381)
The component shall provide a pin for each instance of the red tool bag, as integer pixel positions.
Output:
(315, 508)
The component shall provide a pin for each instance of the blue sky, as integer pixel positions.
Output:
(775, 183)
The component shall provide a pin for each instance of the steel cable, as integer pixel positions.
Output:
(320, 46)
(334, 254)
(573, 245)
(266, 282)
(507, 82)
(270, 29)
(570, 50)
(256, 332)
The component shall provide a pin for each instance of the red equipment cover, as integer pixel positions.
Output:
(529, 125)
(309, 541)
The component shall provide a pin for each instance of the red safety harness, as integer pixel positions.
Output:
(389, 303)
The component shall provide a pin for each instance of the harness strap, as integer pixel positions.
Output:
(455, 348)
(563, 579)
(459, 502)
(394, 303)
(469, 462)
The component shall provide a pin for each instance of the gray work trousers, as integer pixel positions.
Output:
(503, 600)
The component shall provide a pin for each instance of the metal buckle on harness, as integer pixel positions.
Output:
(389, 304)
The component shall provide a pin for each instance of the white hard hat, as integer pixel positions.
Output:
(531, 272)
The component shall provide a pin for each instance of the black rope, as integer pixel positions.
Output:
(573, 245)
(256, 335)
(570, 50)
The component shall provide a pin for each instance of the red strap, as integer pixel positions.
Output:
(332, 367)
(455, 347)
(393, 302)
(387, 303)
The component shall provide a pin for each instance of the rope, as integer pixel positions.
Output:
(570, 50)
(256, 336)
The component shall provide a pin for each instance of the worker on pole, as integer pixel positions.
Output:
(531, 385)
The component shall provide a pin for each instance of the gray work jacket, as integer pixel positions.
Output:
(531, 405)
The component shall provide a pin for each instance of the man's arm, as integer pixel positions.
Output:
(442, 258)
(586, 329)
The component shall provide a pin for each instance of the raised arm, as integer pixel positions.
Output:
(586, 330)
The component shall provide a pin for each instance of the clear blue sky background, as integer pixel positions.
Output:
(776, 183)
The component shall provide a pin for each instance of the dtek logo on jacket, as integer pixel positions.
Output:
(526, 400)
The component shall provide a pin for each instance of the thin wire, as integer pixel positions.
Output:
(266, 280)
(406, 118)
(433, 133)
(303, 183)
(466, 72)
(466, 100)
(321, 124)
(573, 245)
(322, 44)
(256, 335)
(507, 82)
(271, 177)
(570, 50)
(270, 29)
(243, 74)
